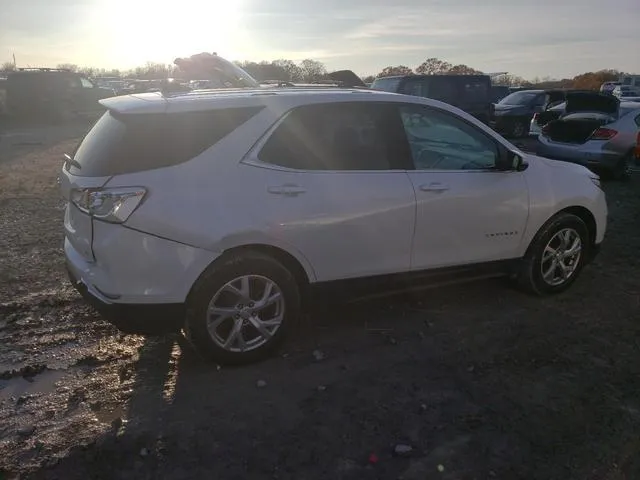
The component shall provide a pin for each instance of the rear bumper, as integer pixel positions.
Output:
(581, 154)
(132, 318)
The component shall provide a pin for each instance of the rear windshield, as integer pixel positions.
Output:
(519, 98)
(119, 144)
(386, 84)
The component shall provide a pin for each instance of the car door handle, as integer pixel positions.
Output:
(434, 187)
(288, 190)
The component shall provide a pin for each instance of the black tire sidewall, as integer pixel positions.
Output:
(214, 278)
(533, 258)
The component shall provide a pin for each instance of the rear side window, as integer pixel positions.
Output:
(339, 136)
(119, 144)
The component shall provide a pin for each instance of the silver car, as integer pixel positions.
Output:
(595, 130)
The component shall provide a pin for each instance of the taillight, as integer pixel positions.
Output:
(603, 134)
(113, 205)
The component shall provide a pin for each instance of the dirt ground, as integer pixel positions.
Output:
(476, 381)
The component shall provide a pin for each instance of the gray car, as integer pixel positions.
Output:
(595, 130)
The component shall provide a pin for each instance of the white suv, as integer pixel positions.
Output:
(217, 210)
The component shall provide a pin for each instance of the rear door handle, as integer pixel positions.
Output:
(434, 187)
(288, 190)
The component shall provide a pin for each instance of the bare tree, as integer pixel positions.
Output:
(7, 67)
(293, 71)
(68, 66)
(312, 70)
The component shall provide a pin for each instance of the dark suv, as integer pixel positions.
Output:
(51, 92)
(471, 93)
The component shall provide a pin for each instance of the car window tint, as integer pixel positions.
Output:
(442, 141)
(339, 136)
(130, 143)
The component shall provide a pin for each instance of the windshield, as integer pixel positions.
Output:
(519, 98)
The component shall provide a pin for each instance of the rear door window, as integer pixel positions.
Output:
(119, 144)
(340, 136)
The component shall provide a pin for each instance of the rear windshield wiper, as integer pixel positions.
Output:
(70, 161)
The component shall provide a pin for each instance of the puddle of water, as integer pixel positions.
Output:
(42, 383)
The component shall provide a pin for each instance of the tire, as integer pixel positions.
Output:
(223, 285)
(530, 276)
(621, 172)
(518, 129)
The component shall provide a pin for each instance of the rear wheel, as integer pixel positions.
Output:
(556, 255)
(622, 170)
(241, 308)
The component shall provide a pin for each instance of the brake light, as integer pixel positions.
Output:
(113, 205)
(603, 134)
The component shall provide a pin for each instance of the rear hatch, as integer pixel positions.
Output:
(591, 102)
(347, 79)
(144, 138)
(585, 113)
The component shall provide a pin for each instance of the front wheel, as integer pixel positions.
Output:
(241, 308)
(556, 255)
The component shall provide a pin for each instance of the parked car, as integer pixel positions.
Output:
(607, 87)
(512, 115)
(471, 93)
(223, 212)
(51, 92)
(595, 130)
(539, 120)
(622, 91)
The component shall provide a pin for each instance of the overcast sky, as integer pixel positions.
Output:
(557, 38)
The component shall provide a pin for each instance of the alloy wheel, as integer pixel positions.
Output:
(245, 313)
(561, 257)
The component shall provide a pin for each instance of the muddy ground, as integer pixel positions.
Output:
(476, 381)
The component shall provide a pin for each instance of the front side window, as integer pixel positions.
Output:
(338, 136)
(441, 141)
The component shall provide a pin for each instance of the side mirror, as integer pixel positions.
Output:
(518, 163)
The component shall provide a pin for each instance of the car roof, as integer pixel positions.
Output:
(198, 100)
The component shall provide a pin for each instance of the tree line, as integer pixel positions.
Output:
(310, 70)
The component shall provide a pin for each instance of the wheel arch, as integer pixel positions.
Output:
(581, 212)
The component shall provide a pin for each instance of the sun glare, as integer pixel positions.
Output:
(159, 31)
